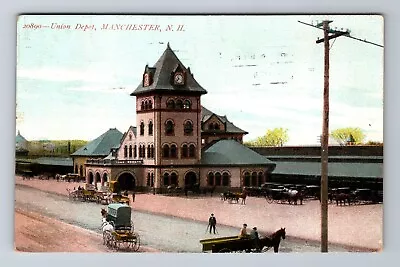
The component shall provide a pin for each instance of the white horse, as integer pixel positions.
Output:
(293, 195)
(106, 226)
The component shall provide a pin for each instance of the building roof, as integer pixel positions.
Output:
(102, 145)
(335, 169)
(54, 161)
(231, 152)
(230, 127)
(166, 64)
(20, 139)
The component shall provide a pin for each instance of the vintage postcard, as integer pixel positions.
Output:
(201, 133)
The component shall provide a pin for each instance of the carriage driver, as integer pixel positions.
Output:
(243, 232)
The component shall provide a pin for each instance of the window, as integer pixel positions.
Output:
(211, 126)
(211, 179)
(142, 106)
(179, 104)
(246, 179)
(174, 179)
(125, 151)
(225, 179)
(142, 128)
(146, 104)
(134, 151)
(218, 179)
(166, 179)
(185, 151)
(192, 151)
(187, 104)
(76, 168)
(152, 180)
(169, 128)
(130, 151)
(188, 128)
(170, 104)
(150, 128)
(216, 126)
(166, 151)
(173, 151)
(260, 179)
(148, 151)
(152, 151)
(150, 104)
(130, 137)
(254, 179)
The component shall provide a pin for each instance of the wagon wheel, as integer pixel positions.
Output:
(225, 250)
(270, 199)
(135, 242)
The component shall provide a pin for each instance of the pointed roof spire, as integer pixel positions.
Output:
(167, 64)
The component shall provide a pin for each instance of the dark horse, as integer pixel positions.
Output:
(194, 188)
(273, 240)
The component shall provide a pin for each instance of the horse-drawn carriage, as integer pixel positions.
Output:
(234, 196)
(236, 244)
(118, 229)
(283, 195)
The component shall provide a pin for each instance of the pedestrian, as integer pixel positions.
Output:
(133, 196)
(255, 237)
(243, 232)
(212, 222)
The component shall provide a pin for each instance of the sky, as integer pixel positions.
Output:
(262, 72)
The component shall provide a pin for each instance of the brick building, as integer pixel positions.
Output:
(176, 140)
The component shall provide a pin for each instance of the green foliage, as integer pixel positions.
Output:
(274, 137)
(348, 135)
(54, 147)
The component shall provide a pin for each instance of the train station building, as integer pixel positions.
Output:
(176, 141)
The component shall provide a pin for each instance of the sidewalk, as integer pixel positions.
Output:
(357, 226)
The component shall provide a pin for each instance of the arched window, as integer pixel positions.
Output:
(188, 128)
(130, 151)
(166, 179)
(150, 128)
(192, 151)
(135, 151)
(187, 104)
(225, 179)
(171, 104)
(217, 179)
(166, 151)
(142, 128)
(169, 128)
(185, 151)
(130, 137)
(173, 151)
(174, 179)
(246, 179)
(260, 179)
(210, 179)
(150, 104)
(142, 106)
(125, 151)
(254, 179)
(179, 104)
(148, 151)
(146, 104)
(211, 126)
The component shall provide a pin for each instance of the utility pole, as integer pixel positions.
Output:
(325, 123)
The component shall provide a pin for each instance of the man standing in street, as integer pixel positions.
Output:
(255, 237)
(212, 222)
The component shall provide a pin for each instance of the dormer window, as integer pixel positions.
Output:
(146, 80)
(187, 104)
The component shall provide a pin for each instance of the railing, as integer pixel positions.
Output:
(114, 162)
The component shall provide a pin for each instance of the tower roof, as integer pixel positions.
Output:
(230, 127)
(19, 138)
(102, 145)
(166, 64)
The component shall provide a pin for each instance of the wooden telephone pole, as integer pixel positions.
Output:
(325, 123)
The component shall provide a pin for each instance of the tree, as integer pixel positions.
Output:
(274, 137)
(348, 135)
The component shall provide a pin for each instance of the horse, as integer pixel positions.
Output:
(342, 197)
(293, 195)
(209, 189)
(273, 240)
